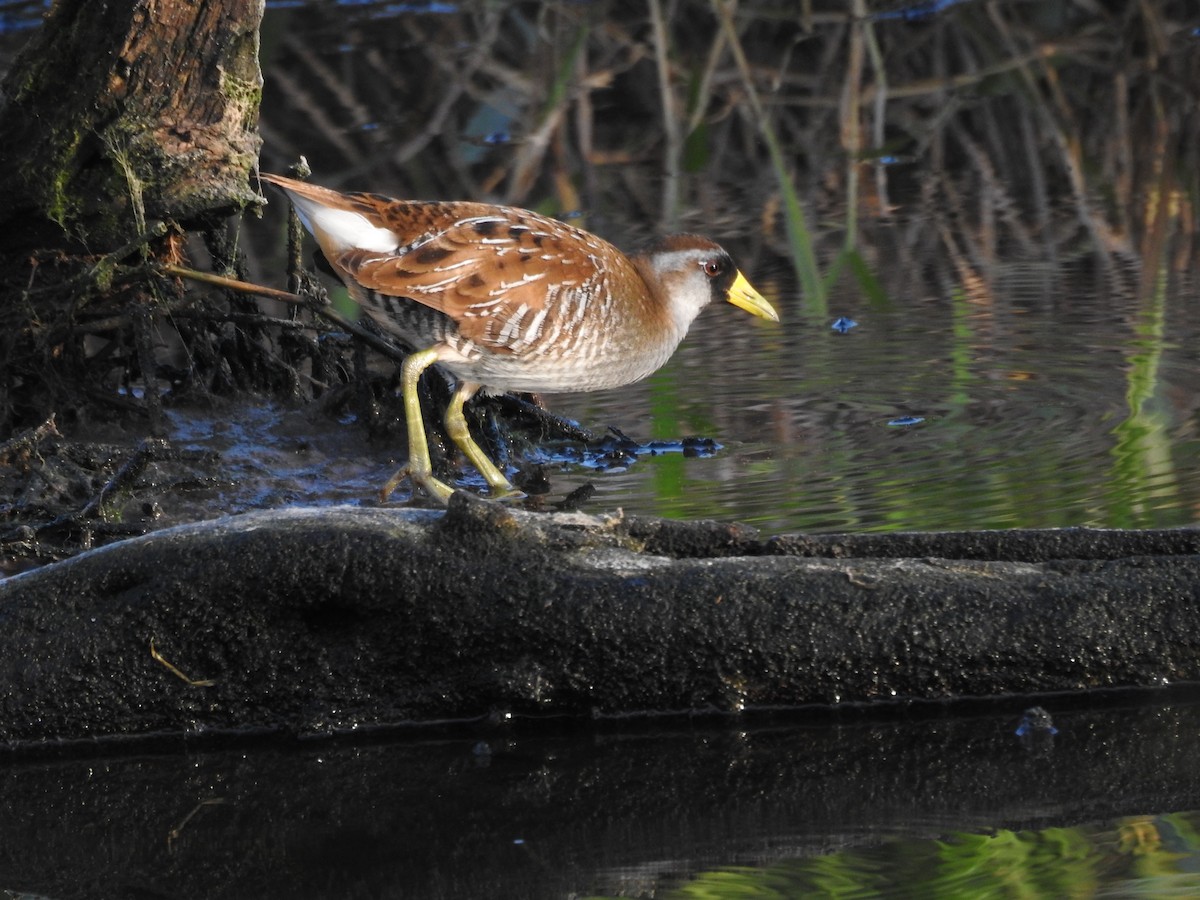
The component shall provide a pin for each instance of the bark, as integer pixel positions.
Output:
(116, 114)
(123, 126)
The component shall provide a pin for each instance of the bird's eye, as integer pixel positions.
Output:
(712, 267)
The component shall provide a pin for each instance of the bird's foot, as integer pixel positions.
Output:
(438, 490)
(505, 492)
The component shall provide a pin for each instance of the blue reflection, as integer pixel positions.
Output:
(20, 16)
(844, 324)
(1036, 720)
(918, 12)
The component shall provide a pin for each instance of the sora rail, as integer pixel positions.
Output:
(509, 300)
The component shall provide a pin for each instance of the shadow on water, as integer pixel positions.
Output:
(914, 807)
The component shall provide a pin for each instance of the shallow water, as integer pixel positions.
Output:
(929, 414)
(1045, 383)
(1032, 412)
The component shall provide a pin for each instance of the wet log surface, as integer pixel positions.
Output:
(318, 621)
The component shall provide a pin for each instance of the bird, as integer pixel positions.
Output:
(507, 299)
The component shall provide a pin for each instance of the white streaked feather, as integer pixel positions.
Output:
(513, 324)
(534, 328)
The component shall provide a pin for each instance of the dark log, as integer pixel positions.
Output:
(318, 621)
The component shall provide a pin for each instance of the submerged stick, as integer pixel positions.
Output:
(146, 451)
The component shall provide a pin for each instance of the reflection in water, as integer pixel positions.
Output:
(1024, 414)
(928, 805)
(1134, 856)
(1033, 415)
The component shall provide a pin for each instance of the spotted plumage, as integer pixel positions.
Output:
(508, 299)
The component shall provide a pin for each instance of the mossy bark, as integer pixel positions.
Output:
(116, 120)
(119, 113)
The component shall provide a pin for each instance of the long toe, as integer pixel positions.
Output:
(438, 490)
(506, 493)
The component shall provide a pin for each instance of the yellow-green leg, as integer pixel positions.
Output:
(456, 427)
(420, 467)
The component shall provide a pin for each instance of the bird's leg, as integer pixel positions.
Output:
(419, 468)
(456, 427)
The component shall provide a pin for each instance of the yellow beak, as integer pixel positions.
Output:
(742, 295)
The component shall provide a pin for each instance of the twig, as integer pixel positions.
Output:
(295, 233)
(174, 833)
(879, 118)
(159, 658)
(27, 440)
(245, 287)
(850, 114)
(670, 195)
(146, 451)
(704, 89)
(144, 346)
(101, 272)
(232, 284)
(799, 237)
(550, 425)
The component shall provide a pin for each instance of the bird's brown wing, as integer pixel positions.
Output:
(506, 276)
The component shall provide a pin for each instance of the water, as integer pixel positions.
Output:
(1028, 414)
(1055, 381)
(1054, 384)
(922, 805)
(1033, 413)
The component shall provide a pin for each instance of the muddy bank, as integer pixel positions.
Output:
(313, 621)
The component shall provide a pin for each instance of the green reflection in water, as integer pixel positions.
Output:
(1136, 856)
(1142, 467)
(669, 470)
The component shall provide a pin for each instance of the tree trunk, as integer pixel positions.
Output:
(120, 113)
(115, 117)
